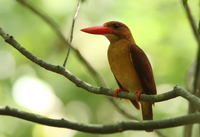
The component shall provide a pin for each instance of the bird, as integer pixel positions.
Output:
(129, 64)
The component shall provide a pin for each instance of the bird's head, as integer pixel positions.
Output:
(113, 30)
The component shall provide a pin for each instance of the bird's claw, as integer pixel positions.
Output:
(117, 91)
(138, 94)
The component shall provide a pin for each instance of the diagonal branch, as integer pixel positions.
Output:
(177, 91)
(103, 129)
(79, 52)
(49, 21)
(56, 28)
(100, 90)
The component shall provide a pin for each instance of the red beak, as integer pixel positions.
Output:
(101, 30)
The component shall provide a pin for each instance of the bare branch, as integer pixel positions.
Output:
(72, 31)
(108, 89)
(177, 91)
(100, 90)
(57, 30)
(196, 82)
(103, 129)
(55, 27)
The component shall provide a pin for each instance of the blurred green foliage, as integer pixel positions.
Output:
(159, 27)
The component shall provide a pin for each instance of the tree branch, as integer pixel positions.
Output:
(57, 71)
(177, 91)
(196, 82)
(103, 129)
(55, 27)
(57, 30)
(98, 90)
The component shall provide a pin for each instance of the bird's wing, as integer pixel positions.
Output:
(143, 69)
(120, 86)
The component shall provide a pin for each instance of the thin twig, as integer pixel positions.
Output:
(72, 31)
(197, 37)
(103, 129)
(57, 30)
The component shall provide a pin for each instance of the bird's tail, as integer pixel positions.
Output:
(147, 113)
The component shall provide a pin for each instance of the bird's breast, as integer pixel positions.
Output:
(122, 65)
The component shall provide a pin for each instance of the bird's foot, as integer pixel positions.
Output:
(138, 94)
(117, 91)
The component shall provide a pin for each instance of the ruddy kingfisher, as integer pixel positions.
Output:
(129, 64)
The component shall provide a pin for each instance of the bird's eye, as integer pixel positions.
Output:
(116, 26)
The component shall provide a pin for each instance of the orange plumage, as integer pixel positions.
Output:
(128, 63)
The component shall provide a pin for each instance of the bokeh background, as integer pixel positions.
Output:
(159, 27)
